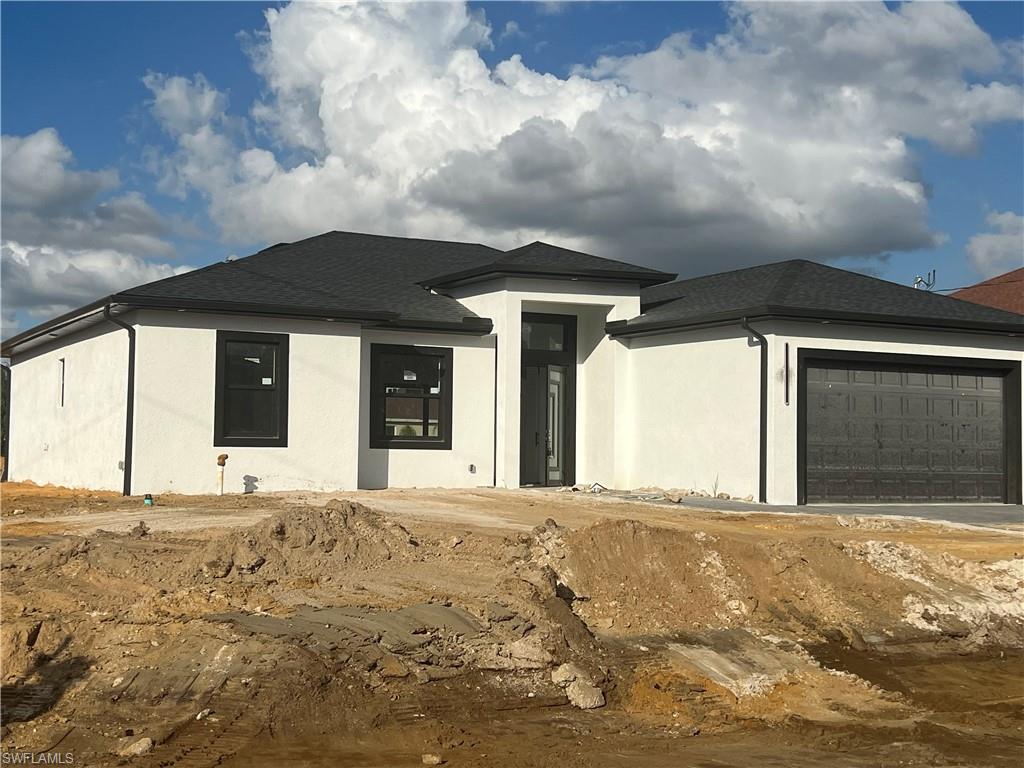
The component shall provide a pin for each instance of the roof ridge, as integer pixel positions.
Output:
(204, 268)
(894, 284)
(404, 237)
(733, 271)
(374, 235)
(514, 253)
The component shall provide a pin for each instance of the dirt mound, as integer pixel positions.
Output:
(986, 600)
(639, 578)
(633, 578)
(303, 542)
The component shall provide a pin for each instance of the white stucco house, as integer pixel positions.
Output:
(359, 361)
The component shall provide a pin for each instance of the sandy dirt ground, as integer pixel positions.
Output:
(514, 628)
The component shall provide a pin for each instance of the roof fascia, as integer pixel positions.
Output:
(52, 325)
(475, 326)
(621, 328)
(249, 308)
(491, 271)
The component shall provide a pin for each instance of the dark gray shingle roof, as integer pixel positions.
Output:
(340, 272)
(542, 259)
(805, 289)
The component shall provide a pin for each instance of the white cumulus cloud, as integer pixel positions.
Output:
(70, 236)
(784, 136)
(47, 281)
(1002, 250)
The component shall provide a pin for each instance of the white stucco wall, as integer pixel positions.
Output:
(691, 418)
(782, 419)
(600, 364)
(82, 443)
(472, 419)
(174, 407)
(692, 411)
(673, 410)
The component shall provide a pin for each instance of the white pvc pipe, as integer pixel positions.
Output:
(220, 481)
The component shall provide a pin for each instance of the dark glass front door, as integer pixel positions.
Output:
(548, 399)
(544, 444)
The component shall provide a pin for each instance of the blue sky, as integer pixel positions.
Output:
(79, 68)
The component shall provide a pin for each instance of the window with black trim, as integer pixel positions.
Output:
(252, 389)
(410, 397)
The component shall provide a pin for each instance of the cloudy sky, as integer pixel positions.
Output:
(140, 140)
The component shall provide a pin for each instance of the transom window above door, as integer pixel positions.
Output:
(410, 397)
(542, 335)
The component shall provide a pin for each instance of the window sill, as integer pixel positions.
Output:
(423, 445)
(250, 442)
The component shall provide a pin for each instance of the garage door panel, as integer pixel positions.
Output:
(864, 457)
(889, 459)
(967, 434)
(990, 461)
(911, 435)
(890, 432)
(941, 459)
(915, 432)
(991, 436)
(890, 405)
(917, 380)
(863, 488)
(888, 378)
(863, 403)
(991, 488)
(862, 431)
(915, 407)
(861, 377)
(965, 461)
(916, 458)
(917, 489)
(992, 411)
(967, 409)
(992, 383)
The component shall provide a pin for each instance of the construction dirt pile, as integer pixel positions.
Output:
(309, 542)
(338, 635)
(628, 578)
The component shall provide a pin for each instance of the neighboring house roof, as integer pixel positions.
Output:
(350, 276)
(1002, 292)
(542, 260)
(805, 290)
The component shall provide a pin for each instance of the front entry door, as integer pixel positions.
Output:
(547, 405)
(533, 420)
(542, 444)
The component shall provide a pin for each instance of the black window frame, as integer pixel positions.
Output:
(220, 439)
(378, 399)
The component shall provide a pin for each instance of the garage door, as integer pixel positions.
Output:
(889, 434)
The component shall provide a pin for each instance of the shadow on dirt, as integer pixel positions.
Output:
(42, 687)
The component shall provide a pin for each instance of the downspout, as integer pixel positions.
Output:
(762, 459)
(129, 411)
(494, 448)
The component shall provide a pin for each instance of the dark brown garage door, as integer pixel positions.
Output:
(878, 433)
